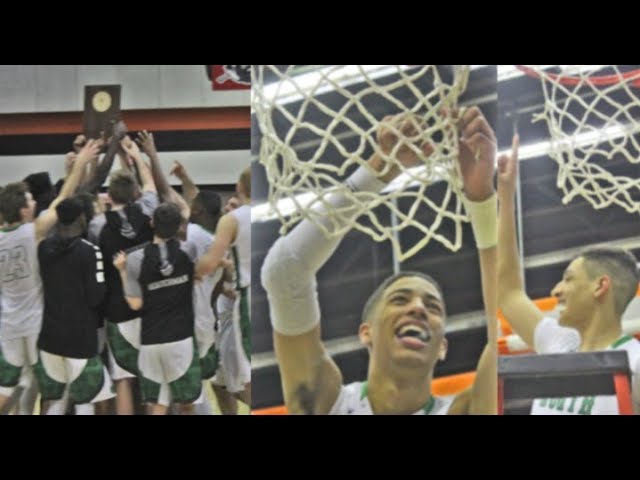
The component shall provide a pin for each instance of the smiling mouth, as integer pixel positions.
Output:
(412, 331)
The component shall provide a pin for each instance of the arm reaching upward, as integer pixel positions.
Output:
(310, 378)
(477, 166)
(47, 220)
(517, 307)
(147, 144)
(148, 185)
(100, 172)
(165, 191)
(189, 189)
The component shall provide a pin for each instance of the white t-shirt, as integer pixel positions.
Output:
(353, 400)
(549, 338)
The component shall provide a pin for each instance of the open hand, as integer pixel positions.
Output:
(477, 154)
(145, 140)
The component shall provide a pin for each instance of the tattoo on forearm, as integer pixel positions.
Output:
(306, 399)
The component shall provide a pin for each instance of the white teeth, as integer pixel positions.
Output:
(414, 331)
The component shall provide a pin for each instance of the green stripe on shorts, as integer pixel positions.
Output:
(245, 322)
(209, 363)
(90, 382)
(50, 389)
(126, 355)
(187, 388)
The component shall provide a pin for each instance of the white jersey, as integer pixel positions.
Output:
(550, 337)
(243, 243)
(20, 283)
(204, 318)
(224, 305)
(353, 400)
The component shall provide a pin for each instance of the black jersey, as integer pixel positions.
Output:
(166, 288)
(117, 235)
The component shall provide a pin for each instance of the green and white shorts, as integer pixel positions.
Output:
(170, 372)
(124, 347)
(88, 380)
(16, 357)
(234, 368)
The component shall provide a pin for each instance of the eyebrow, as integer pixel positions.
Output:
(409, 291)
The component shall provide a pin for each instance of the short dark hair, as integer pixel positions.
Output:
(210, 202)
(41, 189)
(122, 187)
(69, 209)
(167, 220)
(621, 266)
(377, 294)
(12, 200)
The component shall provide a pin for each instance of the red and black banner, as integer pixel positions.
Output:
(229, 77)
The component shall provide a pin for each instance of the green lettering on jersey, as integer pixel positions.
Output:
(543, 402)
(587, 405)
(560, 404)
(572, 404)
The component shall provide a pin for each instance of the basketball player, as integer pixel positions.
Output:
(159, 277)
(234, 232)
(21, 287)
(73, 282)
(403, 321)
(593, 293)
(234, 369)
(201, 211)
(125, 226)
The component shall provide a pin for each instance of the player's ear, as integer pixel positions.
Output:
(603, 285)
(364, 332)
(442, 354)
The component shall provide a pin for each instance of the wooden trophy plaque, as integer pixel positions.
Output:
(101, 110)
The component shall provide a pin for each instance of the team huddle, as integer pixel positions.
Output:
(137, 296)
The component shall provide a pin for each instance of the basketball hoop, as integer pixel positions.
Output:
(319, 123)
(593, 115)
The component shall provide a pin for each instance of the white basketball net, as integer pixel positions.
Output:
(593, 120)
(311, 143)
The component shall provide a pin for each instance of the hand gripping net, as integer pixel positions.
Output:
(319, 122)
(594, 123)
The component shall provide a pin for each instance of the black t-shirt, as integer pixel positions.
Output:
(111, 242)
(74, 286)
(167, 312)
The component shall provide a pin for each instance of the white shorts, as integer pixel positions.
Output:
(87, 379)
(17, 357)
(170, 372)
(204, 340)
(234, 368)
(22, 351)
